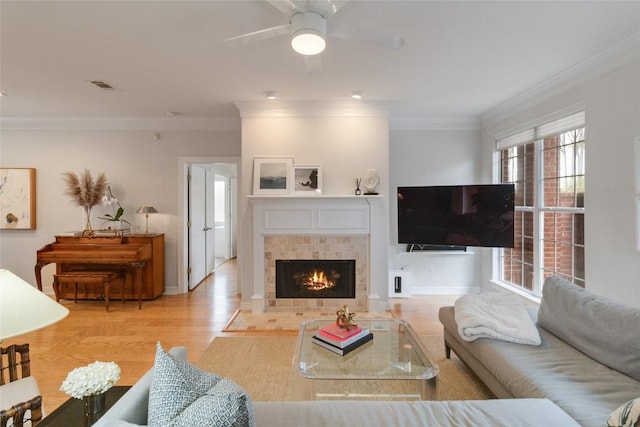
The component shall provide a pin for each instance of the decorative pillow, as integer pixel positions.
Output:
(184, 395)
(628, 415)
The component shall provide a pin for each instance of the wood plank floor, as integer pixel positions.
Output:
(128, 336)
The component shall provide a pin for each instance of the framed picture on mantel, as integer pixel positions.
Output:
(306, 180)
(18, 198)
(271, 175)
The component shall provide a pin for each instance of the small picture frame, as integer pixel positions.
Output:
(271, 176)
(306, 180)
(18, 198)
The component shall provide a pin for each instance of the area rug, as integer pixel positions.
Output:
(246, 321)
(262, 365)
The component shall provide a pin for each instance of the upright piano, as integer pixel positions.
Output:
(142, 255)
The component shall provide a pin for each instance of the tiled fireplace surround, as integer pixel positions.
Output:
(316, 247)
(321, 227)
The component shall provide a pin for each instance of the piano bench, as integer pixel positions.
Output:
(74, 278)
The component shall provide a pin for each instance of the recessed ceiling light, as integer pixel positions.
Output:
(3, 94)
(270, 94)
(357, 94)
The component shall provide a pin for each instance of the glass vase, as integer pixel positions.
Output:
(94, 407)
(87, 214)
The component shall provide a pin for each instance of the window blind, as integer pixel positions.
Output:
(544, 130)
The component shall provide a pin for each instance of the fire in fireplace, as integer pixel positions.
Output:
(312, 278)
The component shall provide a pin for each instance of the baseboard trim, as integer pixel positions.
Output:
(444, 290)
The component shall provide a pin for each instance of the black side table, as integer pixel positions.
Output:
(71, 412)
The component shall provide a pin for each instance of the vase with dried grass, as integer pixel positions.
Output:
(85, 191)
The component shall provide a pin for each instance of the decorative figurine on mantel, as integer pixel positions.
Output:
(357, 182)
(345, 318)
(370, 182)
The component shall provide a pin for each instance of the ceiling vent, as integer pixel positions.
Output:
(102, 85)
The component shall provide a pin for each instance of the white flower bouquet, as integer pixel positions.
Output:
(92, 379)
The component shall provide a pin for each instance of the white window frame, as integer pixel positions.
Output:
(535, 132)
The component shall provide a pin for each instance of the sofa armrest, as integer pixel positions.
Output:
(132, 407)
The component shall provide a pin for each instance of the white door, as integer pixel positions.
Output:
(197, 225)
(210, 221)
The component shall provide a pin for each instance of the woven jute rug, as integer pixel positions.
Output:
(246, 321)
(262, 365)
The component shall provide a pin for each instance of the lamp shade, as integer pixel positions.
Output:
(23, 308)
(147, 209)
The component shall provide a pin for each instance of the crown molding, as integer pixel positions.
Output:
(607, 60)
(434, 123)
(121, 123)
(278, 108)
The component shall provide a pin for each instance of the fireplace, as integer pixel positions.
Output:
(319, 228)
(315, 278)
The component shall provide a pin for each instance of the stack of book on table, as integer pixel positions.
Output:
(342, 341)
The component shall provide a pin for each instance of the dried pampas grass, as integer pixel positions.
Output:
(83, 189)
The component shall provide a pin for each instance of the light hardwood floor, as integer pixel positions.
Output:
(128, 336)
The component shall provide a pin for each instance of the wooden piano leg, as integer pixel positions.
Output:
(139, 268)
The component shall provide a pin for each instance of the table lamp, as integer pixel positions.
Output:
(146, 210)
(23, 308)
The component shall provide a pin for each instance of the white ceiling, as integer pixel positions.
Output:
(461, 59)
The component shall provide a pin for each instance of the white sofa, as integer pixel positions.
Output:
(131, 409)
(588, 363)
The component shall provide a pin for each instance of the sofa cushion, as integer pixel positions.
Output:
(453, 413)
(184, 395)
(627, 415)
(598, 327)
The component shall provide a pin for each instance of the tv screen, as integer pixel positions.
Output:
(456, 215)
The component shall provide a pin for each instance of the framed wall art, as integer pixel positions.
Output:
(271, 175)
(18, 198)
(306, 180)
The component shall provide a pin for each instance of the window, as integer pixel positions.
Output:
(547, 166)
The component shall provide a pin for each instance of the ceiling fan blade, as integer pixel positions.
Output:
(257, 36)
(342, 31)
(313, 64)
(334, 6)
(285, 6)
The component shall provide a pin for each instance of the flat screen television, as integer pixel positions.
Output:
(456, 216)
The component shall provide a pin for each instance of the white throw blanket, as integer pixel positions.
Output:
(495, 315)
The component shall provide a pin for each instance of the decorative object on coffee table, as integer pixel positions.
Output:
(345, 318)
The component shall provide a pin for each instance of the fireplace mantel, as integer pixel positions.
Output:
(318, 216)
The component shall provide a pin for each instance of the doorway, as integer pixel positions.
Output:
(209, 217)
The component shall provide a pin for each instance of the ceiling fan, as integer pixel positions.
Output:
(310, 23)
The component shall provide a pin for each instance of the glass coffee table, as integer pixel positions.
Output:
(393, 366)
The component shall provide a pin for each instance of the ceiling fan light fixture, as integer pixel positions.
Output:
(308, 31)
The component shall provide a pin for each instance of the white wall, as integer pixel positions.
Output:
(140, 170)
(612, 105)
(434, 157)
(346, 147)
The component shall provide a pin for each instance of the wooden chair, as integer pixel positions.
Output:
(18, 389)
(75, 278)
